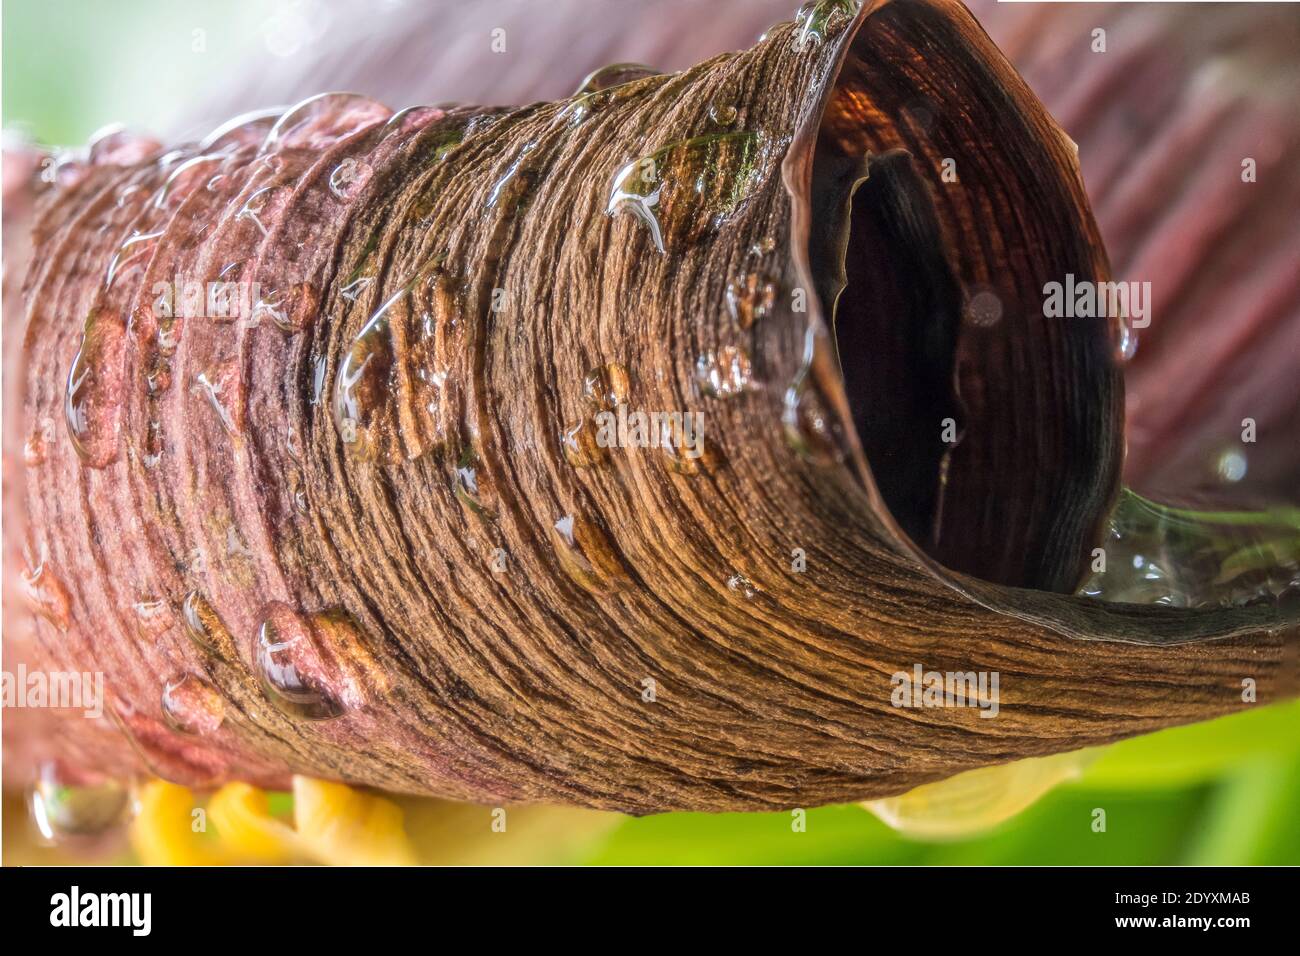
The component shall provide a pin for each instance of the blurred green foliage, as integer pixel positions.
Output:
(74, 66)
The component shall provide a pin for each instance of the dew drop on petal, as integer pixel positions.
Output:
(615, 74)
(204, 626)
(320, 120)
(45, 594)
(66, 806)
(750, 298)
(588, 556)
(291, 669)
(724, 373)
(606, 387)
(192, 706)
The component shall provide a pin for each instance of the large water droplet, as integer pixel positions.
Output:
(616, 74)
(65, 806)
(606, 387)
(293, 673)
(320, 120)
(191, 705)
(686, 190)
(817, 21)
(1181, 557)
(588, 556)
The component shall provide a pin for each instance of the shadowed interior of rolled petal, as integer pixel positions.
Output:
(896, 314)
(943, 197)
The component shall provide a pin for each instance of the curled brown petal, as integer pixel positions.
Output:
(390, 568)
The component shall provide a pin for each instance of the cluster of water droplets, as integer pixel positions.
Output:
(389, 387)
(1179, 557)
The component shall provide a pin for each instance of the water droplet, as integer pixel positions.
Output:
(133, 255)
(185, 179)
(153, 617)
(606, 387)
(817, 21)
(192, 706)
(687, 457)
(349, 178)
(723, 373)
(473, 489)
(354, 289)
(37, 446)
(221, 389)
(1126, 341)
(516, 184)
(1231, 466)
(68, 168)
(204, 626)
(264, 208)
(723, 114)
(581, 108)
(810, 428)
(581, 449)
(588, 556)
(388, 388)
(984, 309)
(291, 310)
(65, 807)
(318, 380)
(92, 400)
(158, 374)
(292, 443)
(46, 594)
(242, 130)
(320, 120)
(1181, 557)
(686, 190)
(411, 119)
(742, 586)
(616, 74)
(292, 671)
(750, 298)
